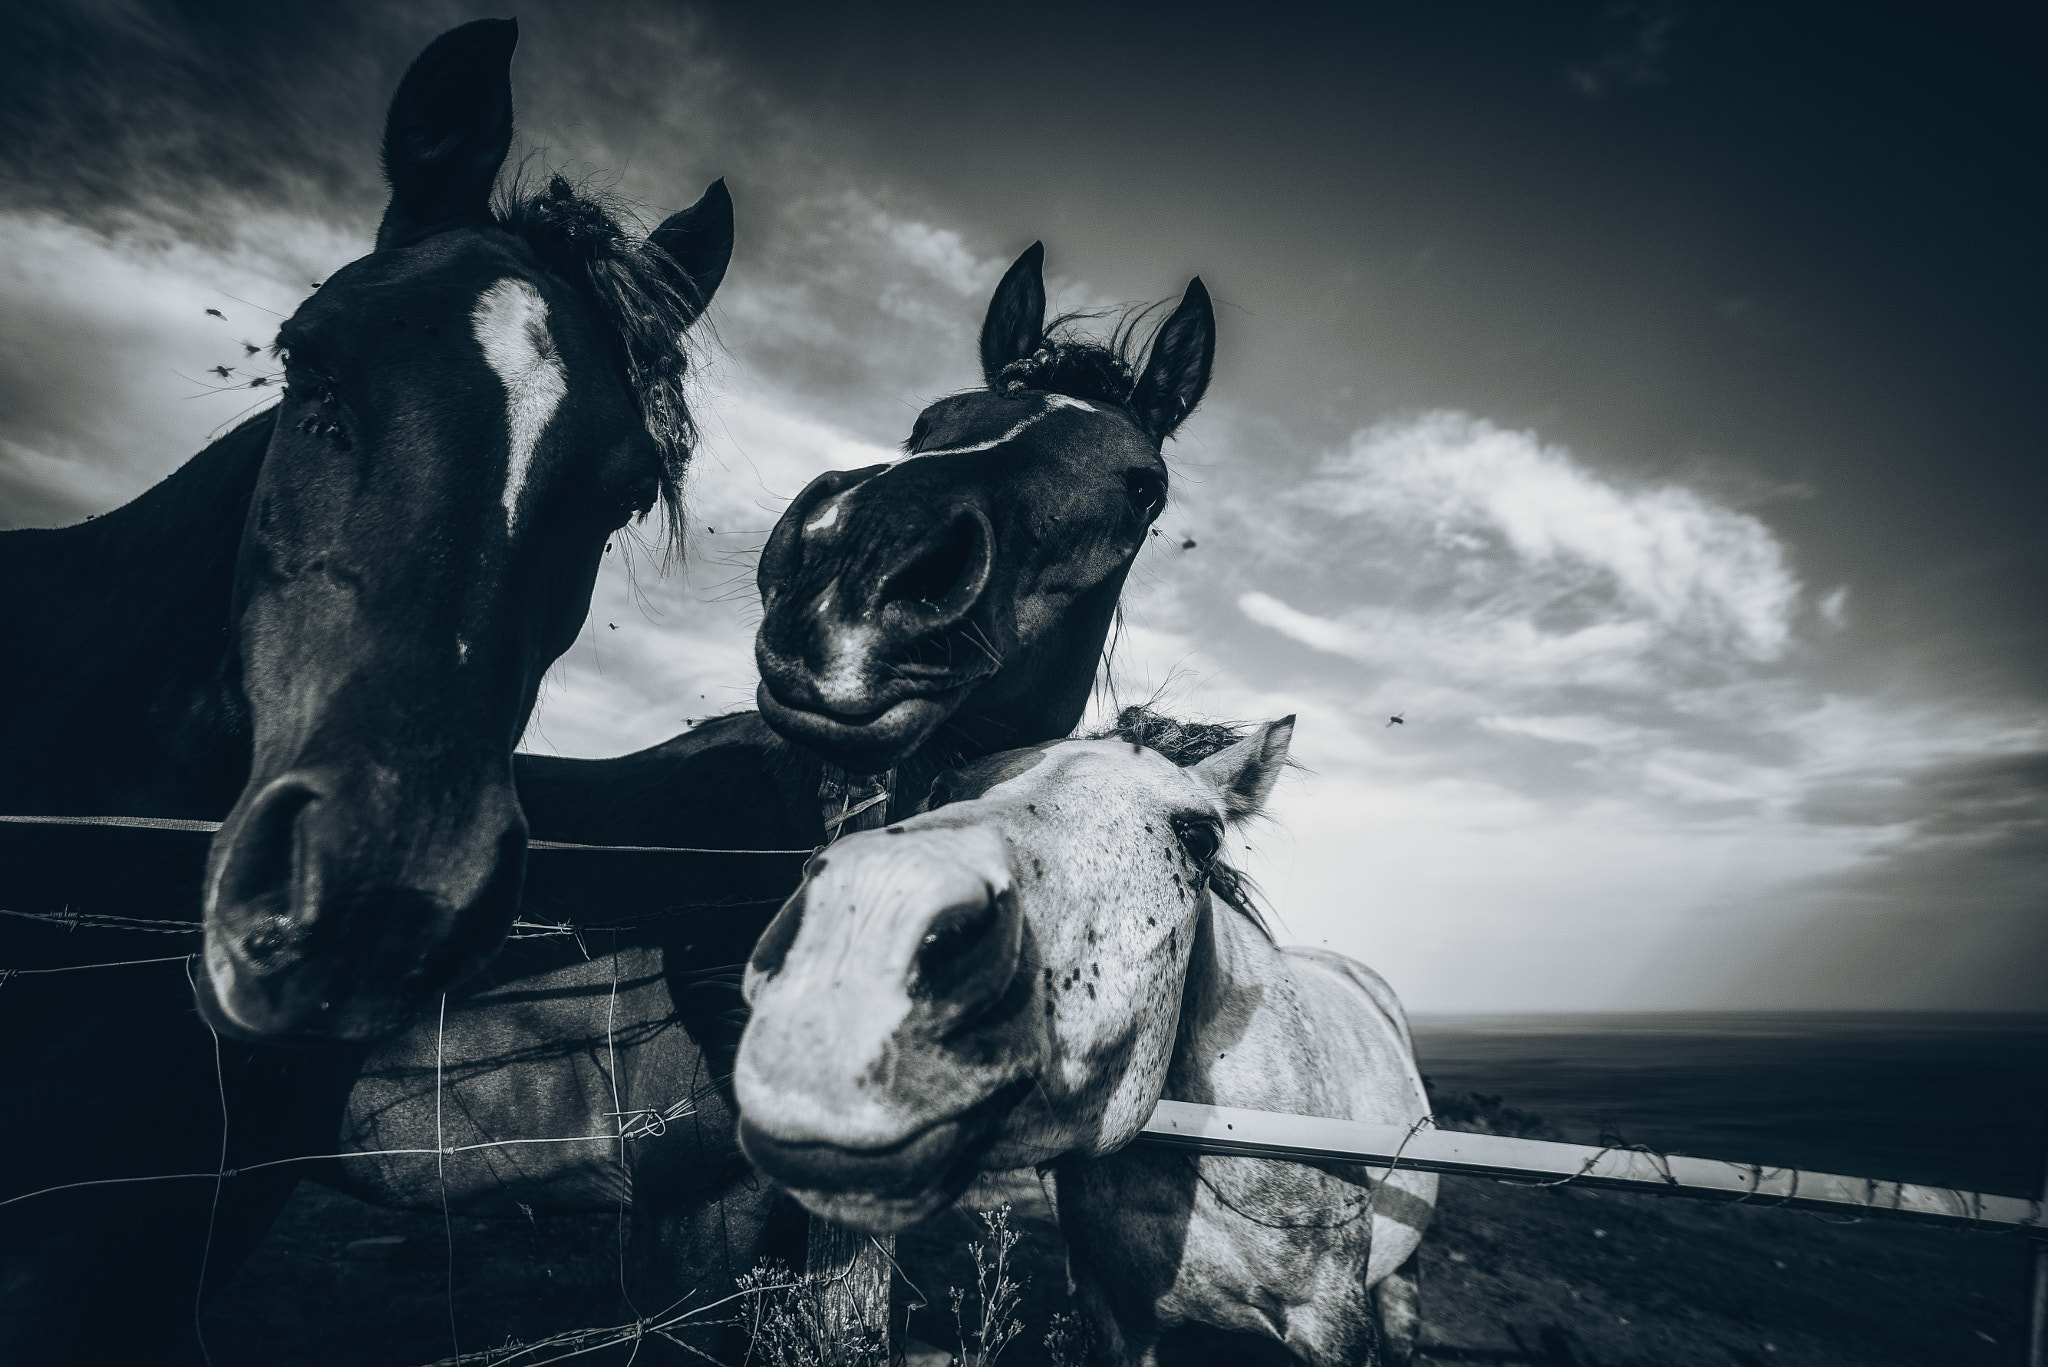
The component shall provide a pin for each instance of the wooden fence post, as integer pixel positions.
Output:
(2037, 1327)
(855, 1273)
(2037, 1310)
(856, 1268)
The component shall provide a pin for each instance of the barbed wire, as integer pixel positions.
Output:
(643, 1123)
(198, 827)
(92, 920)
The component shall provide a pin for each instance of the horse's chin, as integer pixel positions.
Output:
(881, 1190)
(875, 1190)
(870, 1214)
(295, 1013)
(864, 744)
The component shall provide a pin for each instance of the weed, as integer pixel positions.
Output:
(996, 1294)
(1069, 1340)
(796, 1323)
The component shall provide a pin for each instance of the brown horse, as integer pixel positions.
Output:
(1019, 974)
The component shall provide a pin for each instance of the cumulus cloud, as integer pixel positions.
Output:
(1624, 754)
(1508, 592)
(1468, 647)
(1670, 558)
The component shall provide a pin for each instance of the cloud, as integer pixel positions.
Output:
(1628, 773)
(1946, 904)
(1635, 46)
(107, 348)
(1577, 636)
(1675, 560)
(1473, 647)
(1636, 771)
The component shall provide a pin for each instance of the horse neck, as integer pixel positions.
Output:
(117, 699)
(1223, 1007)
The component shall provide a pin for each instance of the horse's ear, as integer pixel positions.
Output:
(448, 131)
(1177, 371)
(1015, 326)
(1246, 772)
(700, 240)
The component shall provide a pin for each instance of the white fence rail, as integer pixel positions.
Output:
(1268, 1134)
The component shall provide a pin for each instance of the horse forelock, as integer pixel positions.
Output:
(1074, 366)
(1080, 367)
(645, 297)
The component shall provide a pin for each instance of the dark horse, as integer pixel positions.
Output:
(327, 628)
(953, 602)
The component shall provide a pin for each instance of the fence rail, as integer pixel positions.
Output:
(1219, 1130)
(1268, 1134)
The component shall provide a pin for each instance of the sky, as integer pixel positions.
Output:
(1640, 400)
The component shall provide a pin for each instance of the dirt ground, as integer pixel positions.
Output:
(1560, 1277)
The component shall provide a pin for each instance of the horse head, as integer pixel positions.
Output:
(470, 412)
(975, 579)
(995, 982)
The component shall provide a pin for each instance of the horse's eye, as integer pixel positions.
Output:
(1199, 837)
(1147, 489)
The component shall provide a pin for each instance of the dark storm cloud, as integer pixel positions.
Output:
(1998, 803)
(1636, 48)
(1779, 261)
(1950, 911)
(186, 113)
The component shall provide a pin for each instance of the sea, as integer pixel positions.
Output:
(1955, 1099)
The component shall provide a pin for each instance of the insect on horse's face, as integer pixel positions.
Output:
(456, 442)
(992, 983)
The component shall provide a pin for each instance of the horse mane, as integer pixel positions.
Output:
(1081, 367)
(579, 234)
(1185, 743)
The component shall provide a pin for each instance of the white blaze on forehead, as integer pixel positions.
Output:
(1053, 404)
(511, 324)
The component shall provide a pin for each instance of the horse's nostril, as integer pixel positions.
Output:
(962, 954)
(262, 863)
(952, 938)
(941, 570)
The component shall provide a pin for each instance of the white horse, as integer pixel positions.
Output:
(1017, 975)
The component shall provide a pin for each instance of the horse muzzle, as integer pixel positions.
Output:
(872, 632)
(319, 928)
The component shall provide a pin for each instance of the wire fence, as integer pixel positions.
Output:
(1195, 1128)
(630, 1124)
